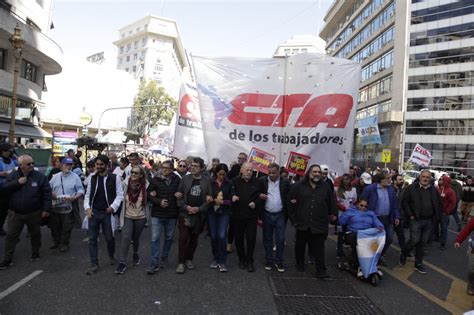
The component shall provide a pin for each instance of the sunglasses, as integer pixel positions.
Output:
(182, 165)
(31, 163)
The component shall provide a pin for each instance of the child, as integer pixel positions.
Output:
(457, 243)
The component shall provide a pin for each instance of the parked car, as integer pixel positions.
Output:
(410, 176)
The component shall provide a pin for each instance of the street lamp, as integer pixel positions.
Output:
(17, 43)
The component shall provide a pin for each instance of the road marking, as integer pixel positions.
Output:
(20, 283)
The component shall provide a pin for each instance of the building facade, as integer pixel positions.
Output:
(373, 33)
(440, 99)
(299, 44)
(151, 49)
(41, 57)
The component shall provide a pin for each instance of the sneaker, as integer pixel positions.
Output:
(63, 248)
(6, 264)
(300, 268)
(152, 270)
(402, 260)
(164, 263)
(112, 261)
(35, 257)
(121, 267)
(274, 248)
(54, 246)
(180, 269)
(421, 269)
(242, 264)
(360, 274)
(189, 265)
(280, 267)
(222, 268)
(92, 270)
(214, 265)
(136, 260)
(268, 265)
(250, 267)
(311, 260)
(380, 273)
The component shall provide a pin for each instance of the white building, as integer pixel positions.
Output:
(440, 98)
(41, 57)
(298, 44)
(151, 49)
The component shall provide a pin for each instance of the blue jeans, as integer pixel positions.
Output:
(274, 224)
(388, 227)
(420, 231)
(157, 225)
(100, 219)
(444, 222)
(218, 224)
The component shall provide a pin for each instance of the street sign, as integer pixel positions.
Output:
(386, 155)
(85, 119)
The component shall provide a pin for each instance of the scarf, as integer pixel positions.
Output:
(134, 190)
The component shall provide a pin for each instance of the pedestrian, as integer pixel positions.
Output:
(219, 216)
(121, 169)
(29, 196)
(54, 168)
(311, 207)
(274, 191)
(212, 170)
(467, 199)
(346, 196)
(244, 216)
(235, 169)
(398, 183)
(7, 164)
(113, 164)
(164, 214)
(363, 181)
(103, 197)
(448, 201)
(195, 191)
(457, 187)
(383, 201)
(133, 216)
(182, 169)
(325, 173)
(422, 205)
(468, 229)
(66, 189)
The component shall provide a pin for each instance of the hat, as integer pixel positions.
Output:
(366, 178)
(325, 168)
(67, 160)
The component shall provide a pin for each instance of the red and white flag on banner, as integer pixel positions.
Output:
(305, 103)
(420, 156)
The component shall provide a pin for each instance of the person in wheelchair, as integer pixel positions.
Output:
(357, 218)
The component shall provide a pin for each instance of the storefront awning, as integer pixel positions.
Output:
(24, 131)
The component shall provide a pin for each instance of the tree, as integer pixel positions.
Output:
(152, 94)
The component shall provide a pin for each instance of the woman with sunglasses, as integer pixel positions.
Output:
(134, 215)
(219, 216)
(182, 169)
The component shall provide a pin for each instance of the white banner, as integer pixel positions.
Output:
(189, 139)
(420, 156)
(305, 103)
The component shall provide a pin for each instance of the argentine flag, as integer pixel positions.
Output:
(370, 243)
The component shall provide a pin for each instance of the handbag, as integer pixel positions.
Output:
(60, 205)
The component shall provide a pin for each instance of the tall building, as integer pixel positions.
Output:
(41, 57)
(298, 44)
(373, 33)
(440, 99)
(151, 49)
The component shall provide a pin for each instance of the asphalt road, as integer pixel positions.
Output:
(58, 284)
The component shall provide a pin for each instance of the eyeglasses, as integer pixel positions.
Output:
(31, 163)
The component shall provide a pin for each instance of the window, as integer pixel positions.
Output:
(304, 50)
(144, 41)
(146, 26)
(120, 61)
(138, 29)
(134, 68)
(129, 46)
(135, 56)
(143, 53)
(28, 70)
(127, 69)
(135, 44)
(441, 103)
(287, 51)
(159, 80)
(121, 49)
(3, 58)
(295, 51)
(123, 35)
(128, 58)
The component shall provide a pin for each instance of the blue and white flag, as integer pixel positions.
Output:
(370, 243)
(369, 130)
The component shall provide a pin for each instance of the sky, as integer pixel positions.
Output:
(208, 28)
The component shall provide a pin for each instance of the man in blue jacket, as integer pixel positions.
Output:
(382, 199)
(29, 201)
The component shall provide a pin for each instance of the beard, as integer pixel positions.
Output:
(316, 179)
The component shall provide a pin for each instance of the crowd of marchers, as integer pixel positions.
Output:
(229, 203)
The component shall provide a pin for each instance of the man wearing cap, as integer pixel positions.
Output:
(325, 172)
(29, 201)
(67, 188)
(7, 164)
(363, 181)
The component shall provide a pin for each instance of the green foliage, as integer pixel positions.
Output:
(408, 166)
(152, 94)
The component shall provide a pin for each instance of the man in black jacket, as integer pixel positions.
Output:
(274, 191)
(164, 214)
(30, 201)
(244, 214)
(310, 208)
(421, 204)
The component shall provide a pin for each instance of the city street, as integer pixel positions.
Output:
(58, 284)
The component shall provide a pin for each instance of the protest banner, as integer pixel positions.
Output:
(420, 156)
(260, 160)
(297, 163)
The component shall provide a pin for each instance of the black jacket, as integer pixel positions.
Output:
(227, 190)
(34, 195)
(284, 191)
(312, 208)
(164, 191)
(411, 202)
(247, 192)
